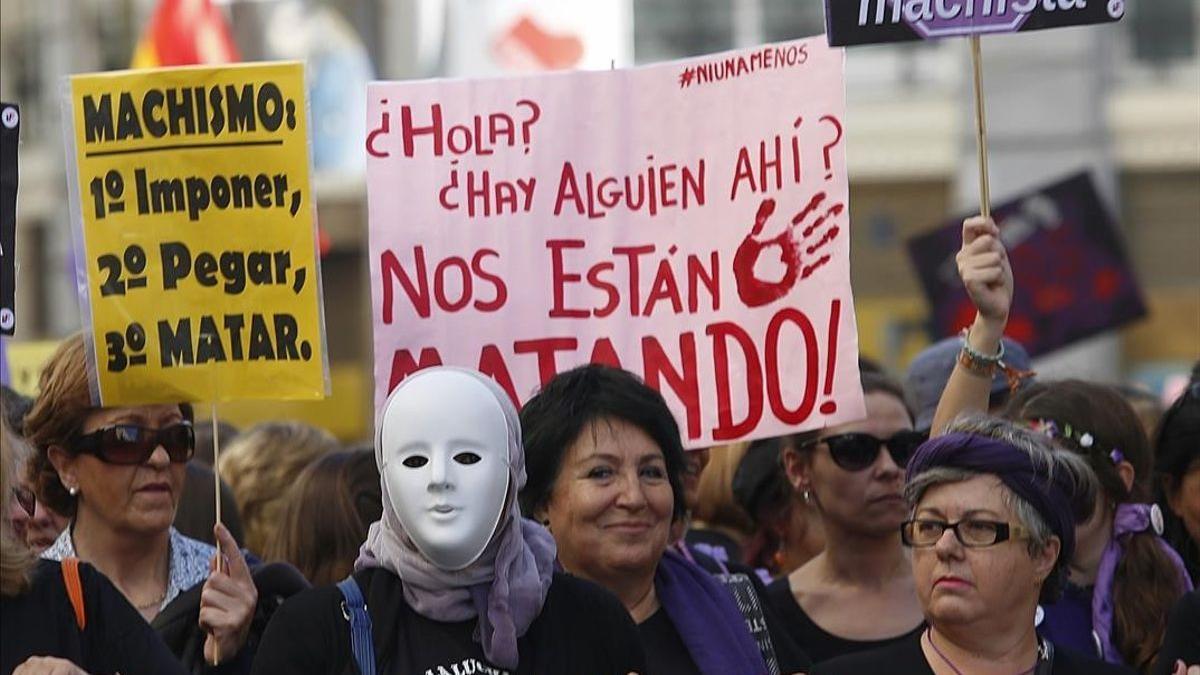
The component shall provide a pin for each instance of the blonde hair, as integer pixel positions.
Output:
(716, 506)
(16, 560)
(261, 464)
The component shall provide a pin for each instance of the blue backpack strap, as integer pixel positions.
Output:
(354, 609)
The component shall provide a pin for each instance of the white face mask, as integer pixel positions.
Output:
(444, 457)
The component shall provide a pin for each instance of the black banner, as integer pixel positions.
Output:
(1071, 272)
(10, 128)
(857, 22)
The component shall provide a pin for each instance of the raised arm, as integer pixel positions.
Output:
(985, 272)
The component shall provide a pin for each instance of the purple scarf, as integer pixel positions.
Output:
(504, 589)
(1130, 519)
(1051, 494)
(709, 623)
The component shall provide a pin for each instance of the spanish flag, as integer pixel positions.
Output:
(183, 33)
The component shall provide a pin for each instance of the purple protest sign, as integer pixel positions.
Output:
(957, 22)
(4, 377)
(1072, 276)
(868, 21)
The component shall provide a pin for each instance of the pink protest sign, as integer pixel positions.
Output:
(685, 221)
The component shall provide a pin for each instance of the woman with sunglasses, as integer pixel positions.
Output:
(41, 629)
(33, 523)
(853, 475)
(118, 473)
(992, 531)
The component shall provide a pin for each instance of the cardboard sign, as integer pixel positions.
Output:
(10, 134)
(1072, 276)
(685, 221)
(856, 22)
(195, 231)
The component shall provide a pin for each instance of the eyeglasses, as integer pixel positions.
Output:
(855, 451)
(25, 498)
(923, 533)
(131, 444)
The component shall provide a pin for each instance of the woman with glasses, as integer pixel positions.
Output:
(1123, 579)
(118, 473)
(853, 474)
(33, 523)
(42, 632)
(992, 531)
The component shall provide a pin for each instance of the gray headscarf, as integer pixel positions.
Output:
(505, 588)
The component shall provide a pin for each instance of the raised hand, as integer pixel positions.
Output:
(814, 236)
(227, 602)
(984, 269)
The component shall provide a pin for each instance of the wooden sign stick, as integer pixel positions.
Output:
(985, 197)
(216, 440)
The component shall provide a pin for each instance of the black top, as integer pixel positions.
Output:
(819, 644)
(906, 658)
(582, 629)
(665, 652)
(791, 658)
(41, 622)
(1182, 640)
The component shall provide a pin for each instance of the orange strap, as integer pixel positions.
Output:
(70, 572)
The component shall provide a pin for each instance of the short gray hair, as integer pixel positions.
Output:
(1041, 450)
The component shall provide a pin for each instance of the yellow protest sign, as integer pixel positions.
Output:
(25, 362)
(195, 220)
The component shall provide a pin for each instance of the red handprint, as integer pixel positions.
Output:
(756, 292)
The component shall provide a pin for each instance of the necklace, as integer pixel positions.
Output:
(948, 662)
(153, 603)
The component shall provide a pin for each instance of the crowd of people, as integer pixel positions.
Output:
(977, 520)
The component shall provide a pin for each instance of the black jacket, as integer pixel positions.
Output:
(178, 624)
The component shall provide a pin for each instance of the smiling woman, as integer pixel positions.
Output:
(605, 475)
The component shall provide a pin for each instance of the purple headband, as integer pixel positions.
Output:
(1051, 497)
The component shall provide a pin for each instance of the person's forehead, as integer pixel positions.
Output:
(886, 415)
(984, 491)
(613, 437)
(148, 415)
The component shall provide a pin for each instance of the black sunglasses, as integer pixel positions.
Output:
(131, 444)
(26, 499)
(857, 451)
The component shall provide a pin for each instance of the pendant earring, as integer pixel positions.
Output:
(806, 495)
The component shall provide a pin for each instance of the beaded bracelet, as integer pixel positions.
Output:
(986, 366)
(975, 362)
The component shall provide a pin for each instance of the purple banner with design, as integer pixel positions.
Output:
(1072, 276)
(856, 22)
